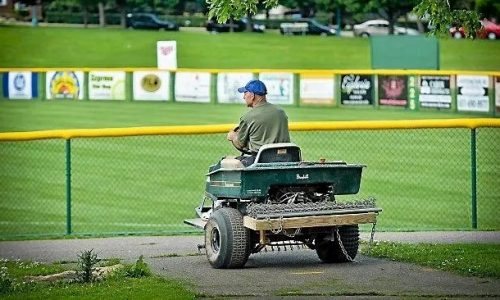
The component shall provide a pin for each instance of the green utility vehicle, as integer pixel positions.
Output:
(281, 201)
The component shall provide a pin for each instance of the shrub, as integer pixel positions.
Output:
(139, 269)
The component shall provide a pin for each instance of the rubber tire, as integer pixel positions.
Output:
(330, 252)
(492, 36)
(365, 35)
(226, 239)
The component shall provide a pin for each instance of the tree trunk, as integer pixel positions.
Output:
(102, 17)
(85, 12)
(123, 16)
(249, 23)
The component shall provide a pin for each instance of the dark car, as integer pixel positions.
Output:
(237, 25)
(306, 26)
(149, 21)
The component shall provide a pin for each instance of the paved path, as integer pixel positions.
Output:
(276, 273)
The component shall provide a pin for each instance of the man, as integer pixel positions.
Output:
(264, 124)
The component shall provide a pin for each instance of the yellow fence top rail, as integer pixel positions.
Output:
(297, 71)
(223, 128)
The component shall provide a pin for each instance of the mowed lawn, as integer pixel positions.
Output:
(78, 47)
(421, 178)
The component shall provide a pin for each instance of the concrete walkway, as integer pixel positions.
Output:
(273, 274)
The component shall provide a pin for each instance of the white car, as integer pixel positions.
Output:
(380, 27)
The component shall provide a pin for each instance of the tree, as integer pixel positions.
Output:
(222, 10)
(441, 15)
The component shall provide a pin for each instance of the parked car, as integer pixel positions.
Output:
(237, 25)
(380, 27)
(149, 21)
(306, 26)
(488, 30)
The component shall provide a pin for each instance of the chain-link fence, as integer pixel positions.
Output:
(422, 178)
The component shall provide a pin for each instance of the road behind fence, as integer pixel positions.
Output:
(426, 175)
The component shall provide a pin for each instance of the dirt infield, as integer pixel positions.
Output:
(278, 273)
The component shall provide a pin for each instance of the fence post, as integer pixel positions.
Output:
(68, 186)
(473, 177)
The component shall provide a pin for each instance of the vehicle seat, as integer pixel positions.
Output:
(229, 162)
(279, 152)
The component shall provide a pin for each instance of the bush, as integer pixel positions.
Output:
(86, 262)
(5, 280)
(140, 269)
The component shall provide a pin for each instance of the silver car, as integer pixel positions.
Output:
(380, 27)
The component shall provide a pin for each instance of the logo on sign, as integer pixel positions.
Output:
(19, 82)
(151, 83)
(65, 85)
(393, 87)
(166, 50)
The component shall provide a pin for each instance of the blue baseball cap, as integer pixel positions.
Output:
(254, 86)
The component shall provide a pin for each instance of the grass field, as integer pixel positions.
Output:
(421, 178)
(150, 184)
(78, 47)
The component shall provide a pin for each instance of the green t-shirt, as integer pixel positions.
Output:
(263, 124)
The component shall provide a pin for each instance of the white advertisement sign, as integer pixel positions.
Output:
(166, 54)
(19, 85)
(472, 93)
(497, 93)
(192, 87)
(107, 85)
(151, 85)
(228, 84)
(64, 85)
(316, 89)
(279, 87)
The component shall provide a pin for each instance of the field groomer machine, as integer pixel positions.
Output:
(281, 201)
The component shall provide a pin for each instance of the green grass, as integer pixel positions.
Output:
(151, 184)
(78, 47)
(466, 259)
(42, 115)
(114, 287)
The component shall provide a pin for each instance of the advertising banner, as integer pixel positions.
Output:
(166, 55)
(20, 85)
(316, 89)
(107, 85)
(228, 84)
(392, 90)
(192, 87)
(472, 93)
(64, 85)
(356, 89)
(435, 91)
(151, 85)
(497, 93)
(279, 87)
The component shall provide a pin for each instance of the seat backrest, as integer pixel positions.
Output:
(279, 152)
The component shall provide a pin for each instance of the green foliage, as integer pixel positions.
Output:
(222, 10)
(87, 261)
(441, 16)
(139, 269)
(5, 280)
(466, 259)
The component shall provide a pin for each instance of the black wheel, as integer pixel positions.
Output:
(329, 249)
(226, 239)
